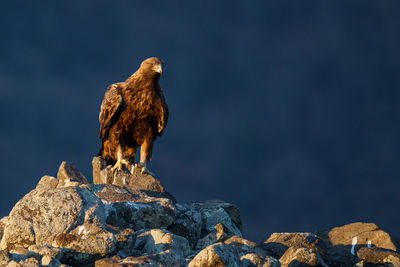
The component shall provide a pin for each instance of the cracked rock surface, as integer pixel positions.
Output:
(129, 219)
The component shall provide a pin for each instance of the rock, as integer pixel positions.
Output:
(68, 175)
(154, 213)
(216, 211)
(13, 264)
(47, 255)
(220, 233)
(18, 254)
(49, 261)
(378, 256)
(244, 244)
(144, 182)
(125, 240)
(196, 220)
(278, 243)
(339, 242)
(230, 209)
(30, 262)
(38, 251)
(129, 219)
(340, 255)
(188, 224)
(116, 261)
(48, 182)
(4, 257)
(363, 231)
(215, 255)
(165, 258)
(44, 213)
(156, 241)
(99, 164)
(301, 256)
(115, 194)
(254, 259)
(102, 174)
(3, 225)
(130, 208)
(232, 252)
(89, 242)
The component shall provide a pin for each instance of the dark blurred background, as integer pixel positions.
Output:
(288, 110)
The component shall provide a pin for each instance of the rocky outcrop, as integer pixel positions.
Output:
(129, 219)
(103, 174)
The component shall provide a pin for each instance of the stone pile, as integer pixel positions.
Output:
(128, 219)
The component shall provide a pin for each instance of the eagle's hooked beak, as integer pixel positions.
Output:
(157, 68)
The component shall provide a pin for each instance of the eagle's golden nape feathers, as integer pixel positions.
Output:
(133, 114)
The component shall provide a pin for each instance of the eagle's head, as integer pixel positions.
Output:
(152, 66)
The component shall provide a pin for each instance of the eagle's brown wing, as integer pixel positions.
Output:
(111, 107)
(163, 115)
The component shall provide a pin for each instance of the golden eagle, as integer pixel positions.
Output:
(133, 113)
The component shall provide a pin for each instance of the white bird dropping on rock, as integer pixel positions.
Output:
(353, 244)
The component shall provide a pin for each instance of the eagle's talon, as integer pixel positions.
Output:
(121, 165)
(142, 168)
(146, 171)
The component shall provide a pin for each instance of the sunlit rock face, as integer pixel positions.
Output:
(129, 219)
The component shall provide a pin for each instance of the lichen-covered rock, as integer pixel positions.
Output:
(188, 224)
(301, 256)
(377, 256)
(232, 252)
(215, 255)
(18, 254)
(156, 213)
(44, 213)
(30, 262)
(278, 243)
(342, 242)
(156, 241)
(49, 261)
(68, 175)
(38, 251)
(364, 232)
(165, 258)
(3, 225)
(196, 221)
(230, 209)
(130, 220)
(51, 214)
(88, 242)
(99, 164)
(254, 259)
(214, 212)
(48, 181)
(4, 257)
(144, 182)
(220, 233)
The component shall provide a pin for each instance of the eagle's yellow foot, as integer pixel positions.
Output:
(122, 165)
(143, 169)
